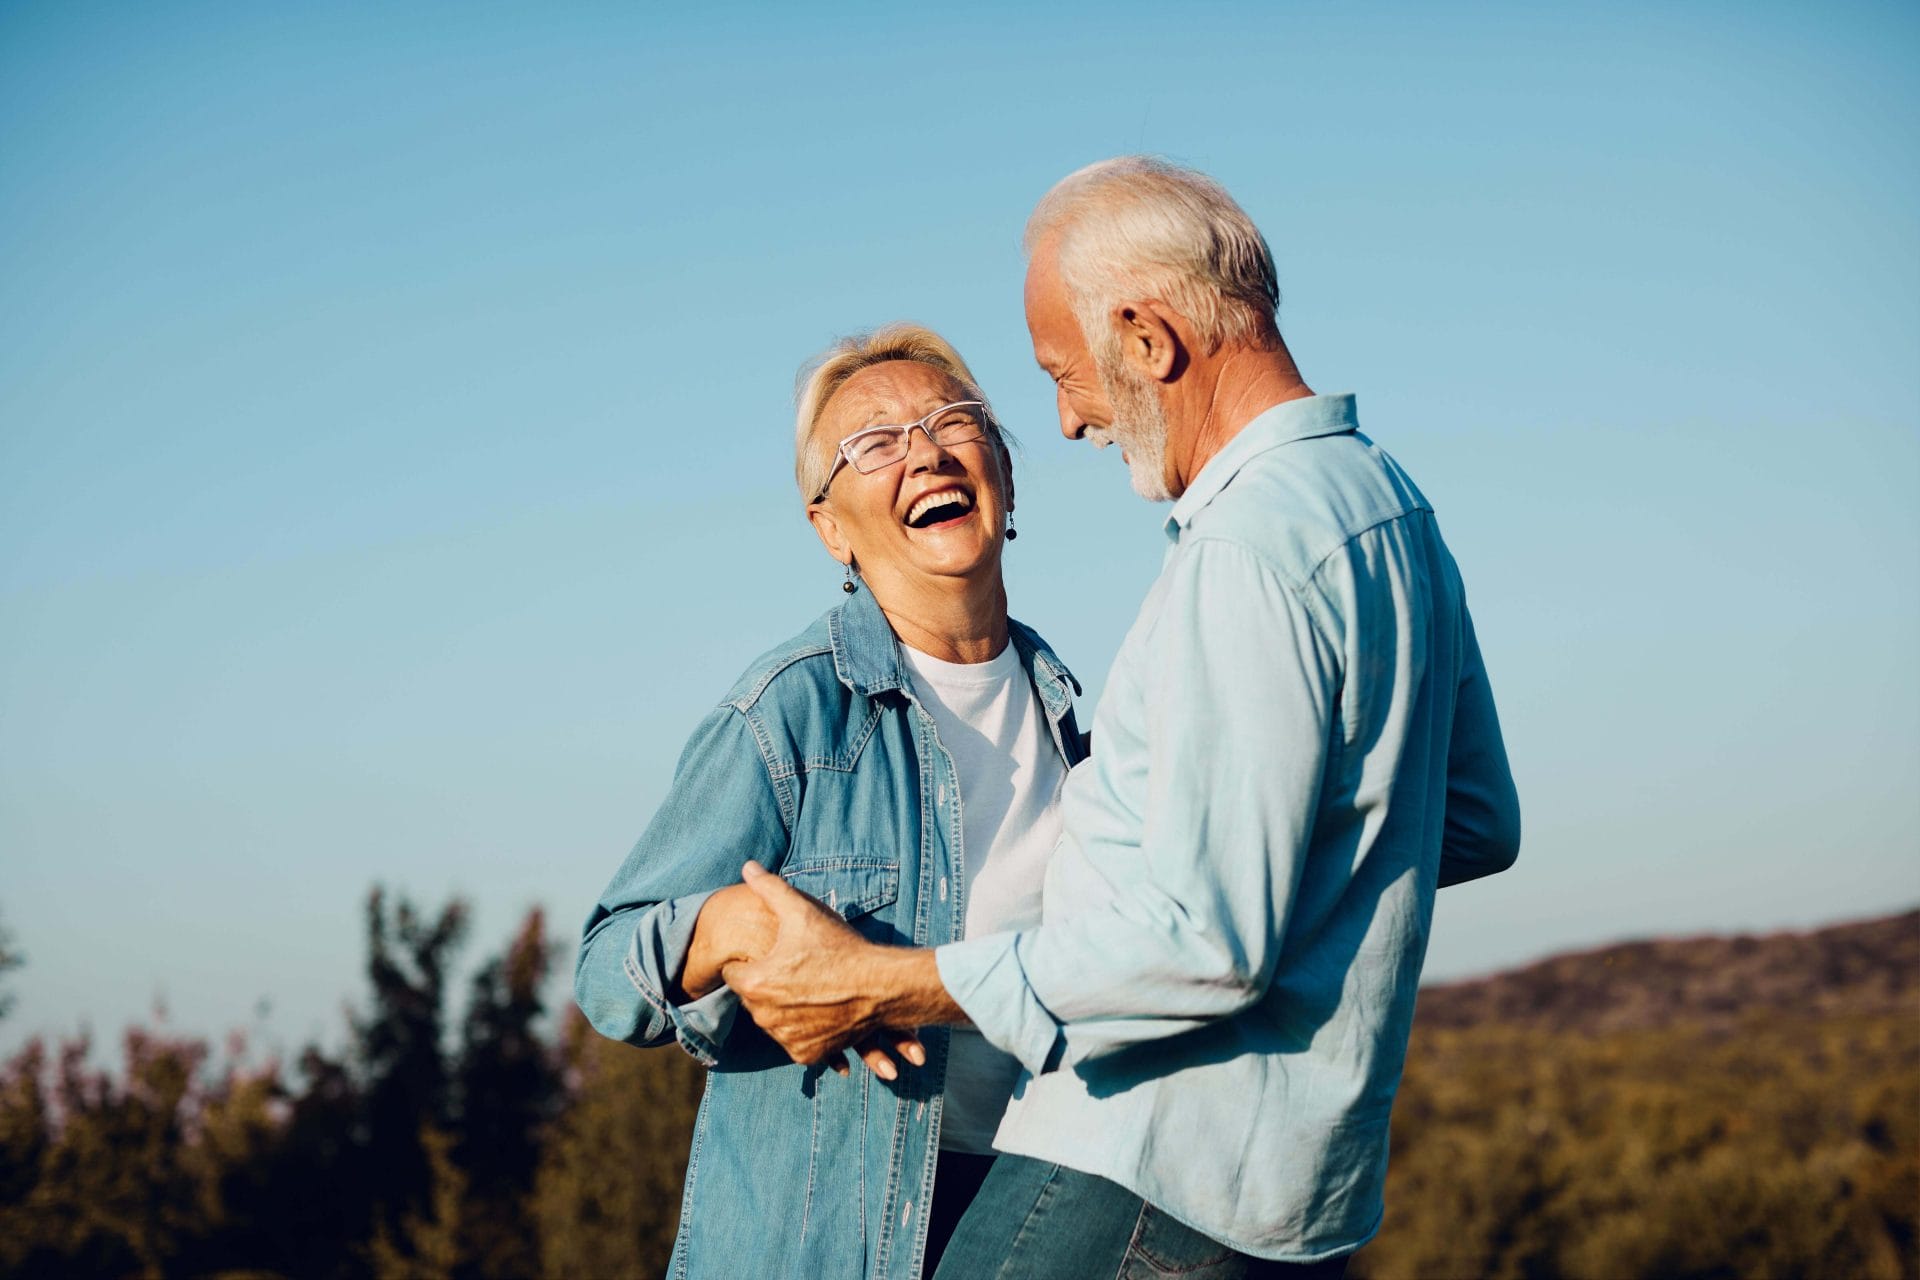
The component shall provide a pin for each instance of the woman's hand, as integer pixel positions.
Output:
(733, 925)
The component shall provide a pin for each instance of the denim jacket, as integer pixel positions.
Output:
(821, 765)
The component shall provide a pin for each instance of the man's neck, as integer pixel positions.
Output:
(1246, 382)
(954, 620)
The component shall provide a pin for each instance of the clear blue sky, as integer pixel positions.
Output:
(394, 427)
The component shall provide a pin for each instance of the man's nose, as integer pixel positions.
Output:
(1071, 424)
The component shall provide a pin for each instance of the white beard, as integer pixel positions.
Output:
(1139, 427)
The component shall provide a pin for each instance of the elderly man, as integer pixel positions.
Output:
(1297, 746)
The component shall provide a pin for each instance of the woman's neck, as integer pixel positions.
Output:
(964, 623)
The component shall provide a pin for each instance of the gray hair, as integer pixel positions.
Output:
(827, 372)
(1143, 227)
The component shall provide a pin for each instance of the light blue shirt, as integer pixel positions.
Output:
(1296, 746)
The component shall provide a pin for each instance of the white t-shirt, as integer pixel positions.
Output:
(1009, 773)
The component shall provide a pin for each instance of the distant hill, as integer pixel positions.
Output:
(1682, 1109)
(1868, 967)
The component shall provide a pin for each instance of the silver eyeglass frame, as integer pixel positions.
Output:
(843, 457)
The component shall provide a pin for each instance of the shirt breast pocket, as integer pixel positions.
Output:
(853, 888)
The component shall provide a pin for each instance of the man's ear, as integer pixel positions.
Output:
(828, 530)
(1149, 343)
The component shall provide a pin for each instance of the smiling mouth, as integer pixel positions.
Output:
(939, 508)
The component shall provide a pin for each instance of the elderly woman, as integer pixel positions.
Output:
(899, 760)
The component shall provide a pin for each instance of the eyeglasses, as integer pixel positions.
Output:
(871, 449)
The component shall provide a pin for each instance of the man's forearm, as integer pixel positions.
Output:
(907, 985)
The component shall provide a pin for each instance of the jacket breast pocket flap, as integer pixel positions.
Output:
(853, 887)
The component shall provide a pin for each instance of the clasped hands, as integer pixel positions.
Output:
(809, 980)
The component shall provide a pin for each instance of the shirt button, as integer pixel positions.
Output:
(943, 888)
(940, 794)
(906, 1213)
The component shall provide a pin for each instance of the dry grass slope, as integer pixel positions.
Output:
(1714, 1107)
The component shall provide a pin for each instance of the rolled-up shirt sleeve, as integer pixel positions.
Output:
(721, 810)
(1482, 833)
(1239, 687)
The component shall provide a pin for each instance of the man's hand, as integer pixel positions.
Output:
(821, 987)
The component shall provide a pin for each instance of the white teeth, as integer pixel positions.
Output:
(932, 500)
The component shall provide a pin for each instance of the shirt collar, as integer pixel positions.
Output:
(1286, 422)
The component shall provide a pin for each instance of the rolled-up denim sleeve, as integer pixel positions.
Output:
(1239, 686)
(723, 808)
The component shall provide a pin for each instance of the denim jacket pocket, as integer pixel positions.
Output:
(851, 886)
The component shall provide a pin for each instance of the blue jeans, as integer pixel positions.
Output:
(1035, 1221)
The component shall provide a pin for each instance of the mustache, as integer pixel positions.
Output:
(1120, 433)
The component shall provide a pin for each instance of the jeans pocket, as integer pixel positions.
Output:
(1162, 1247)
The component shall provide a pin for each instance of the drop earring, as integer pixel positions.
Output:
(848, 586)
(1012, 532)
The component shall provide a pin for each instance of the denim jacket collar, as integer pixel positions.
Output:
(866, 656)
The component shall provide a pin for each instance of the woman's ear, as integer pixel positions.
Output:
(827, 528)
(1006, 470)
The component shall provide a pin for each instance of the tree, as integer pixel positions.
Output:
(429, 1245)
(607, 1198)
(26, 1133)
(402, 1064)
(10, 959)
(131, 1173)
(507, 1087)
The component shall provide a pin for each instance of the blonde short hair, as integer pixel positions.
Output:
(827, 372)
(1143, 227)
